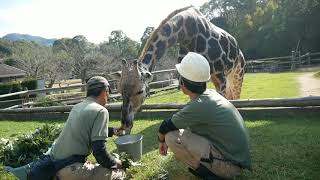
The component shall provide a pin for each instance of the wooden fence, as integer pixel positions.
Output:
(253, 103)
(259, 65)
(284, 63)
(162, 85)
(256, 107)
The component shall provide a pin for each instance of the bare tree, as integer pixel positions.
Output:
(30, 57)
(82, 53)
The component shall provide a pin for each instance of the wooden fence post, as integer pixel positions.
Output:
(299, 58)
(293, 65)
(308, 59)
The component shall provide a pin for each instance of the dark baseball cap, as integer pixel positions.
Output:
(97, 82)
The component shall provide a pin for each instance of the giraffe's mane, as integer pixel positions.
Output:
(155, 32)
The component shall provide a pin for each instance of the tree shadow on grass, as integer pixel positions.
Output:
(150, 138)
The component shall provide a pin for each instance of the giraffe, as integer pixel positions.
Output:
(189, 29)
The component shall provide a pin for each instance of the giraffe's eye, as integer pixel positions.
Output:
(140, 92)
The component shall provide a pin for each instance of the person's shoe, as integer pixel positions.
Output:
(204, 173)
(8, 168)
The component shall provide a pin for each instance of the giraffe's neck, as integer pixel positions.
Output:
(156, 49)
(170, 32)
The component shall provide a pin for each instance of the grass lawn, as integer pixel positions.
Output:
(285, 146)
(255, 86)
(317, 75)
(282, 147)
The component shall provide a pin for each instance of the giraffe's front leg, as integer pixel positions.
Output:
(183, 51)
(220, 82)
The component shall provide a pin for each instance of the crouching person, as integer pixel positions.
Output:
(85, 131)
(208, 134)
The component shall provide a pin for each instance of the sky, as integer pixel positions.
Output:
(95, 19)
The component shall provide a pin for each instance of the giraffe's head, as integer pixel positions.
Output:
(134, 89)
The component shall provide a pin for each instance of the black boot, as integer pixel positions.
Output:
(204, 173)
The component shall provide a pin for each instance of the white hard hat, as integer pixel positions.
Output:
(194, 67)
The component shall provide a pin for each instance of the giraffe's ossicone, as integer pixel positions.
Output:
(188, 28)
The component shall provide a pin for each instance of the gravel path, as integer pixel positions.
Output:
(309, 85)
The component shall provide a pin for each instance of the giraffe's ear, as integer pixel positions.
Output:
(124, 68)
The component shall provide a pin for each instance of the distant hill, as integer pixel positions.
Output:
(26, 37)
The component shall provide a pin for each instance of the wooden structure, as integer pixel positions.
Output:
(256, 106)
(9, 73)
(285, 63)
(26, 101)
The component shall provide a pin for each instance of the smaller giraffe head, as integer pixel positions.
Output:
(134, 89)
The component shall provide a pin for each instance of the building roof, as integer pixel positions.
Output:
(9, 71)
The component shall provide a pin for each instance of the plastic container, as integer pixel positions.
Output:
(131, 144)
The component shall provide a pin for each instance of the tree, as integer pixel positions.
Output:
(146, 34)
(118, 47)
(82, 55)
(127, 47)
(57, 67)
(5, 48)
(30, 57)
(266, 28)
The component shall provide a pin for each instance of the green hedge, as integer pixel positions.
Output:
(10, 88)
(25, 148)
(47, 101)
(30, 84)
(16, 87)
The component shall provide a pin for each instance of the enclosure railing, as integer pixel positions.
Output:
(27, 101)
(310, 101)
(284, 63)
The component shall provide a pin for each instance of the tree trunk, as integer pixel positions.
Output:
(51, 83)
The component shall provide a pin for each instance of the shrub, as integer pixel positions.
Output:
(47, 101)
(10, 88)
(30, 84)
(26, 148)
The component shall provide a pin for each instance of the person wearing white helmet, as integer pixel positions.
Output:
(208, 134)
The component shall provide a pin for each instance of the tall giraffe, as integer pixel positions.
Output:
(188, 28)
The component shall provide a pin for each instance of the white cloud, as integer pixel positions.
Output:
(94, 19)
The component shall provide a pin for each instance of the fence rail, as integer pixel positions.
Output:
(258, 65)
(284, 63)
(253, 103)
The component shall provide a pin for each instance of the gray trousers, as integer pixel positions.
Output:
(190, 148)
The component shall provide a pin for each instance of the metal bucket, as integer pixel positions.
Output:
(131, 144)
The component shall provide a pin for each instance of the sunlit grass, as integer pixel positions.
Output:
(282, 147)
(255, 86)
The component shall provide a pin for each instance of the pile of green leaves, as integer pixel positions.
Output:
(25, 148)
(125, 159)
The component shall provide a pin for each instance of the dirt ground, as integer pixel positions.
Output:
(309, 85)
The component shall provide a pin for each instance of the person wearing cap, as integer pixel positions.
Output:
(208, 134)
(86, 131)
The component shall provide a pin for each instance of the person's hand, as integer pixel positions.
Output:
(118, 131)
(118, 164)
(163, 148)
